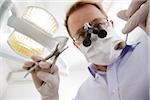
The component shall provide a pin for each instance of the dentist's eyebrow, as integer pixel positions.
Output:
(98, 21)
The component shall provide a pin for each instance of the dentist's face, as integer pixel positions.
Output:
(85, 14)
(102, 50)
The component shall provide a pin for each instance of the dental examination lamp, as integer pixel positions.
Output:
(33, 32)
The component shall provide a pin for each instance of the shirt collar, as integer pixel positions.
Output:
(94, 71)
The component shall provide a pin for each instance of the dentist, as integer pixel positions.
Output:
(118, 71)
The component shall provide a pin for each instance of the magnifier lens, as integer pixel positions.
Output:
(87, 42)
(102, 33)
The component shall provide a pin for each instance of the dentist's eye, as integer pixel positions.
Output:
(95, 31)
(82, 35)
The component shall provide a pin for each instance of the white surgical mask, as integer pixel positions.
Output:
(101, 51)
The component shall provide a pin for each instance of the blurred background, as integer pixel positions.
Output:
(71, 63)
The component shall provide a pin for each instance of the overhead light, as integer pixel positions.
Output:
(32, 32)
(41, 18)
(24, 45)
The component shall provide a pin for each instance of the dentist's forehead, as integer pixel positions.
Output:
(85, 14)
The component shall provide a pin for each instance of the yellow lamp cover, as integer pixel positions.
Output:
(24, 45)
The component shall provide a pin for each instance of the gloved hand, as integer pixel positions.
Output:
(45, 79)
(138, 14)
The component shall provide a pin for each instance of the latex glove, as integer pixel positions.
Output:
(45, 79)
(138, 14)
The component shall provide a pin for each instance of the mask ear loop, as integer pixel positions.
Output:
(126, 39)
(127, 34)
